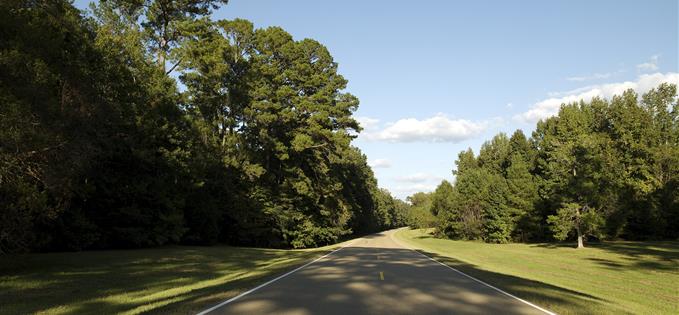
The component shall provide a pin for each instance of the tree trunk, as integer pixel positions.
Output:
(577, 225)
(162, 50)
(161, 60)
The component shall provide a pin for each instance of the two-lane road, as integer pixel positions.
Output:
(376, 275)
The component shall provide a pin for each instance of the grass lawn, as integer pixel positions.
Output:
(166, 280)
(606, 278)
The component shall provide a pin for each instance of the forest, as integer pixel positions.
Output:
(146, 123)
(599, 170)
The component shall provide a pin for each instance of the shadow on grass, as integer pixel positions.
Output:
(126, 280)
(426, 235)
(421, 237)
(606, 262)
(667, 251)
(650, 255)
(553, 245)
(415, 276)
(182, 280)
(543, 294)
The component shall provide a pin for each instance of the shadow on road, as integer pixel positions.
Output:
(351, 283)
(349, 280)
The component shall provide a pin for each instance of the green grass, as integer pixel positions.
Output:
(605, 278)
(166, 280)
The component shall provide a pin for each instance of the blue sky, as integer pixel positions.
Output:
(437, 77)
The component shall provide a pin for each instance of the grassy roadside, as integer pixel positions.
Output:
(608, 278)
(166, 280)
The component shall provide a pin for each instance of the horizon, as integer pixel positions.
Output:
(419, 109)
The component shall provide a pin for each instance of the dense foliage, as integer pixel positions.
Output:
(421, 209)
(604, 169)
(100, 148)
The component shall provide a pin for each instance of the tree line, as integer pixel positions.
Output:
(603, 169)
(147, 123)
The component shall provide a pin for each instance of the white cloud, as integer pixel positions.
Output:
(419, 178)
(509, 105)
(414, 188)
(595, 76)
(435, 129)
(380, 163)
(368, 123)
(651, 65)
(573, 91)
(550, 107)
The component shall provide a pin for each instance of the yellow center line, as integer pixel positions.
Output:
(381, 275)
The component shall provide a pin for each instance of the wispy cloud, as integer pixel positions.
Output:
(550, 107)
(438, 128)
(596, 76)
(651, 65)
(380, 163)
(419, 178)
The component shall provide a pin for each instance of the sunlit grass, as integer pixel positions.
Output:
(179, 279)
(606, 278)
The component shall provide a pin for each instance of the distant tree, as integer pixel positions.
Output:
(617, 159)
(571, 217)
(419, 214)
(494, 154)
(442, 199)
(661, 214)
(443, 206)
(521, 199)
(466, 220)
(465, 161)
(519, 144)
(497, 219)
(402, 210)
(386, 209)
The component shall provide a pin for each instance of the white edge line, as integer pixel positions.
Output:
(477, 280)
(270, 281)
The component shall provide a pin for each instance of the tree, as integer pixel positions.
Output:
(102, 150)
(498, 223)
(275, 110)
(662, 105)
(571, 217)
(494, 154)
(165, 23)
(419, 214)
(521, 199)
(465, 161)
(467, 217)
(442, 199)
(105, 139)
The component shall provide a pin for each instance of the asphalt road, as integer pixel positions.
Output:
(376, 275)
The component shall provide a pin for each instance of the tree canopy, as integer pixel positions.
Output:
(604, 169)
(100, 148)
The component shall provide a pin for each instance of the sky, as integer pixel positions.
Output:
(437, 77)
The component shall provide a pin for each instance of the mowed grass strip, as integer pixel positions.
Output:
(604, 278)
(166, 280)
